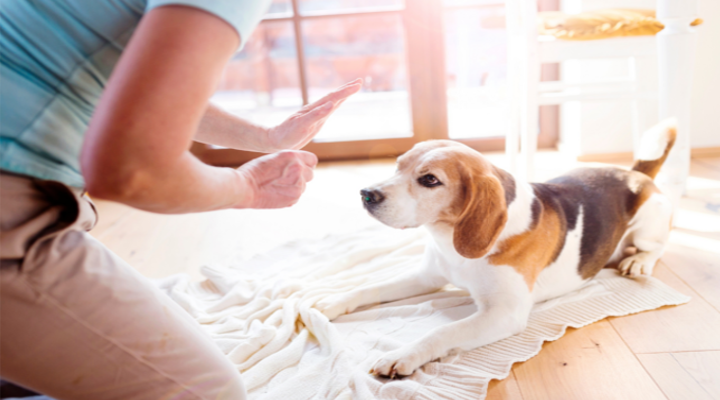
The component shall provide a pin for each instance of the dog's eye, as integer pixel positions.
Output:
(429, 180)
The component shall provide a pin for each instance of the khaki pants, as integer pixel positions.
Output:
(76, 322)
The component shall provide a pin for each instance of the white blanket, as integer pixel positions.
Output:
(261, 315)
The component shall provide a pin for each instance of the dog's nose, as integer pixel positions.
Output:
(371, 197)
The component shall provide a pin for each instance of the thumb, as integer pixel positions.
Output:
(291, 174)
(307, 158)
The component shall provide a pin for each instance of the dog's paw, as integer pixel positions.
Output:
(639, 264)
(336, 305)
(398, 363)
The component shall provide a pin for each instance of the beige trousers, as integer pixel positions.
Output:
(77, 322)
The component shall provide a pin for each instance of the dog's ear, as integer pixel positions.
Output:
(483, 215)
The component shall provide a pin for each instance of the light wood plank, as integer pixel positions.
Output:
(109, 214)
(161, 245)
(506, 389)
(705, 168)
(179, 245)
(711, 162)
(588, 363)
(704, 153)
(699, 214)
(685, 376)
(132, 238)
(689, 327)
(699, 269)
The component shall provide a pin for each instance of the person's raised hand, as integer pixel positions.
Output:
(277, 180)
(300, 128)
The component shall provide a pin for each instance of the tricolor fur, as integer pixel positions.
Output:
(510, 244)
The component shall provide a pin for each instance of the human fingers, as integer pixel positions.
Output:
(291, 175)
(298, 166)
(316, 114)
(338, 94)
(307, 174)
(308, 161)
(306, 157)
(295, 174)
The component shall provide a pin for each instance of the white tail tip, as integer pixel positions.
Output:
(655, 140)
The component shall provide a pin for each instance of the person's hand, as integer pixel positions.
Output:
(301, 127)
(277, 180)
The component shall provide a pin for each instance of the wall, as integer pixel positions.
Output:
(706, 85)
(607, 127)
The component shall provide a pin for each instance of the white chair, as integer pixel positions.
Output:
(673, 48)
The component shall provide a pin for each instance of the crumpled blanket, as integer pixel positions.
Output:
(261, 314)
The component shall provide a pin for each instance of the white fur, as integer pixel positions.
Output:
(648, 231)
(519, 212)
(562, 276)
(655, 140)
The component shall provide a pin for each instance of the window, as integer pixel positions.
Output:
(433, 69)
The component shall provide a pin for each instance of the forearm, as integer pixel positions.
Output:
(186, 186)
(222, 128)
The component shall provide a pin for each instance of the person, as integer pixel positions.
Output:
(107, 95)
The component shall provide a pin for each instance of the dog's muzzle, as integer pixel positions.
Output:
(371, 198)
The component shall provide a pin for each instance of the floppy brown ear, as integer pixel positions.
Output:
(483, 216)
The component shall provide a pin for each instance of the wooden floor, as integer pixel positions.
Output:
(670, 353)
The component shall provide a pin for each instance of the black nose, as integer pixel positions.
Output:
(371, 197)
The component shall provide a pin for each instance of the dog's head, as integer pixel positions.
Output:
(445, 182)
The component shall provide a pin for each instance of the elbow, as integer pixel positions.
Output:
(123, 185)
(118, 189)
(99, 189)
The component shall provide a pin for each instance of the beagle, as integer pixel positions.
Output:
(509, 243)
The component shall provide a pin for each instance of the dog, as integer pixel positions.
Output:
(508, 243)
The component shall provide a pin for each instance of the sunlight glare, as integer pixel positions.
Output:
(695, 242)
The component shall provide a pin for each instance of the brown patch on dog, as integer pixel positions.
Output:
(644, 191)
(531, 251)
(484, 206)
(652, 167)
(508, 183)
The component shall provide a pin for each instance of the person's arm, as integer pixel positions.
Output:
(136, 147)
(222, 128)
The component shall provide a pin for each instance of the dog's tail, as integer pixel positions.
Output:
(655, 145)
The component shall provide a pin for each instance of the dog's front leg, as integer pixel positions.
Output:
(492, 322)
(415, 282)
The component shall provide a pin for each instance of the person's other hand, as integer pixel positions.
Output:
(277, 180)
(300, 128)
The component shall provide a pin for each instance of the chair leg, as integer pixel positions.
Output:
(515, 82)
(512, 136)
(644, 110)
(530, 78)
(529, 130)
(676, 53)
